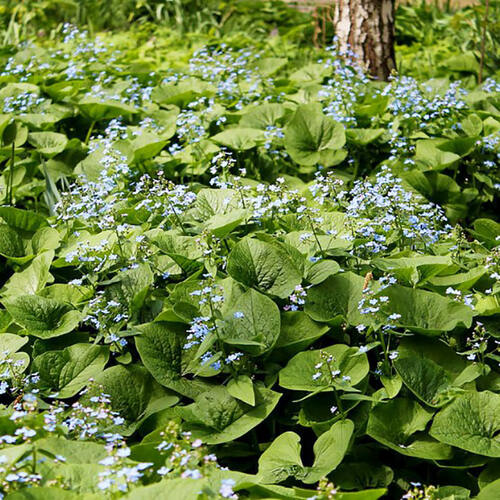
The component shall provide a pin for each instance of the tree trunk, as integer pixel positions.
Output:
(366, 27)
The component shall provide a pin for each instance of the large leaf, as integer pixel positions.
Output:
(42, 493)
(252, 324)
(66, 372)
(311, 137)
(298, 373)
(471, 422)
(74, 452)
(261, 117)
(490, 491)
(11, 243)
(185, 251)
(239, 139)
(9, 347)
(415, 268)
(297, 333)
(216, 417)
(33, 279)
(24, 220)
(429, 368)
(161, 348)
(41, 317)
(282, 459)
(266, 266)
(428, 154)
(100, 109)
(426, 312)
(133, 394)
(80, 479)
(48, 144)
(396, 424)
(131, 286)
(147, 145)
(338, 296)
(180, 489)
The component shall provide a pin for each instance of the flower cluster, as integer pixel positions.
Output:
(378, 209)
(297, 299)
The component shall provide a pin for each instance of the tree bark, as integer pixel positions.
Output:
(366, 27)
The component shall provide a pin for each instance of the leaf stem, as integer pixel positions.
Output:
(11, 176)
(89, 132)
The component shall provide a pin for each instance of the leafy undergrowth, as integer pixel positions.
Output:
(229, 274)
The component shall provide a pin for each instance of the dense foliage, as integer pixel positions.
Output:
(247, 271)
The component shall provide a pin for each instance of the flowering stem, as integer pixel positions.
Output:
(338, 401)
(176, 215)
(384, 347)
(316, 236)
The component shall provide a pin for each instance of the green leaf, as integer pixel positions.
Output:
(363, 136)
(185, 251)
(486, 230)
(392, 385)
(79, 479)
(11, 243)
(282, 459)
(48, 144)
(460, 281)
(320, 271)
(217, 211)
(329, 450)
(24, 220)
(360, 475)
(472, 125)
(180, 489)
(241, 387)
(258, 329)
(428, 154)
(313, 72)
(9, 134)
(428, 368)
(74, 452)
(216, 417)
(395, 425)
(298, 373)
(9, 347)
(41, 317)
(426, 312)
(130, 287)
(33, 279)
(239, 139)
(212, 202)
(161, 348)
(471, 422)
(133, 394)
(490, 492)
(414, 269)
(68, 371)
(96, 109)
(42, 493)
(312, 138)
(11, 343)
(263, 116)
(266, 266)
(337, 296)
(147, 145)
(182, 92)
(298, 332)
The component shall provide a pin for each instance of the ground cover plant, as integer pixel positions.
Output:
(241, 268)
